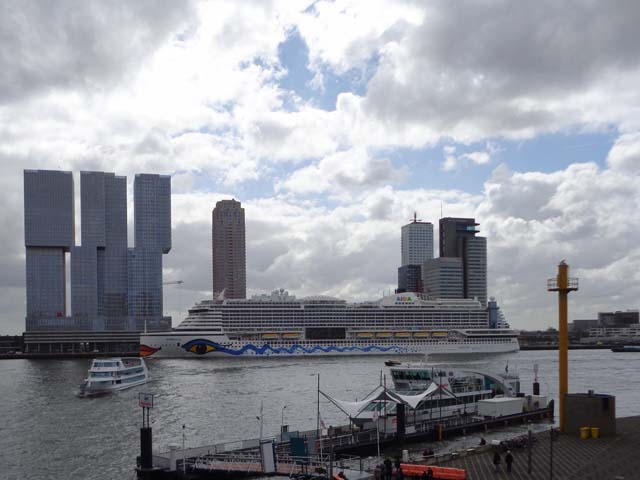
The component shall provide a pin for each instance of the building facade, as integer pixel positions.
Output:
(443, 278)
(152, 232)
(416, 244)
(49, 233)
(99, 279)
(228, 249)
(113, 288)
(410, 279)
(458, 238)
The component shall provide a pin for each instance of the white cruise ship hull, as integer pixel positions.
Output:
(183, 344)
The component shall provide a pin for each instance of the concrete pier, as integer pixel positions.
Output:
(611, 458)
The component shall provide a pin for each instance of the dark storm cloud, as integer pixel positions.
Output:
(492, 65)
(78, 43)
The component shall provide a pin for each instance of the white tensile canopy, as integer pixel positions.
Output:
(353, 409)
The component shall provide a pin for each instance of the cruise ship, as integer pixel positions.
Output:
(280, 325)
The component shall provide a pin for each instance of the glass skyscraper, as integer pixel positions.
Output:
(152, 224)
(99, 266)
(48, 235)
(113, 288)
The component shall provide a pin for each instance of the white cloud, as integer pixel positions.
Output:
(192, 90)
(343, 172)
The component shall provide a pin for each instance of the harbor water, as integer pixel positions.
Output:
(48, 432)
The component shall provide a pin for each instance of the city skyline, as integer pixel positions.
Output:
(333, 125)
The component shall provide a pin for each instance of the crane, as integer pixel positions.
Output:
(173, 282)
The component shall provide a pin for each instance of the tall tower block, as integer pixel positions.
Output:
(228, 249)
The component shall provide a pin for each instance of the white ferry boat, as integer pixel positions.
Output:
(281, 325)
(112, 374)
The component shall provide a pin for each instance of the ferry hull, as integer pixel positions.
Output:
(180, 345)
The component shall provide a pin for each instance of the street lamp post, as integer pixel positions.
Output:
(529, 447)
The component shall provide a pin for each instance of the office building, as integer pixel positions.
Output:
(443, 277)
(416, 242)
(152, 233)
(618, 319)
(458, 239)
(409, 279)
(99, 283)
(49, 234)
(228, 249)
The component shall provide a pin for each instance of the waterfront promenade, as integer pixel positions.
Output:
(611, 458)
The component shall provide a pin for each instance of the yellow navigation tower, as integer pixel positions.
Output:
(563, 285)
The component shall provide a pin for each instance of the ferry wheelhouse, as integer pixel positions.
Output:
(281, 325)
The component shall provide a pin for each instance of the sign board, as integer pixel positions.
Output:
(145, 400)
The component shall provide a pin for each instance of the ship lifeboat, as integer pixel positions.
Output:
(421, 334)
(383, 334)
(269, 336)
(439, 334)
(364, 335)
(291, 335)
(402, 334)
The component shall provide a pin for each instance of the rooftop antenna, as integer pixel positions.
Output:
(415, 217)
(440, 208)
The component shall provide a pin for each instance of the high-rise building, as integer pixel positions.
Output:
(416, 246)
(99, 280)
(48, 234)
(228, 249)
(458, 239)
(416, 242)
(409, 279)
(152, 225)
(442, 277)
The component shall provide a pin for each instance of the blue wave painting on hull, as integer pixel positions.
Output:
(201, 346)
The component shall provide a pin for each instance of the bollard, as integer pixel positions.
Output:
(146, 448)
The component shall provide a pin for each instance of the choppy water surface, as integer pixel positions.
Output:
(46, 432)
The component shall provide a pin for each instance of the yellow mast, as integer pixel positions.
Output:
(563, 285)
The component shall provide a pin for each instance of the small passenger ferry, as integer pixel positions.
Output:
(112, 374)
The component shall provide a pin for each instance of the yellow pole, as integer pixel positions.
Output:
(563, 338)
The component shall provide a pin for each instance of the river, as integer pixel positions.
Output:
(47, 432)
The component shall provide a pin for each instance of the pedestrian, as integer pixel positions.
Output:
(398, 465)
(387, 469)
(496, 462)
(377, 473)
(508, 459)
(429, 473)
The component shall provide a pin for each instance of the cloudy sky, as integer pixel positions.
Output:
(333, 122)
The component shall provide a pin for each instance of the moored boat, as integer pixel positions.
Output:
(626, 348)
(112, 374)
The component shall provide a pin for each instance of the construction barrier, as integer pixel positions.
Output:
(444, 473)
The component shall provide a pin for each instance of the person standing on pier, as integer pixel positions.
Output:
(508, 459)
(496, 462)
(387, 469)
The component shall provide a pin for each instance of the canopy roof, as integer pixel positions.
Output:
(353, 409)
